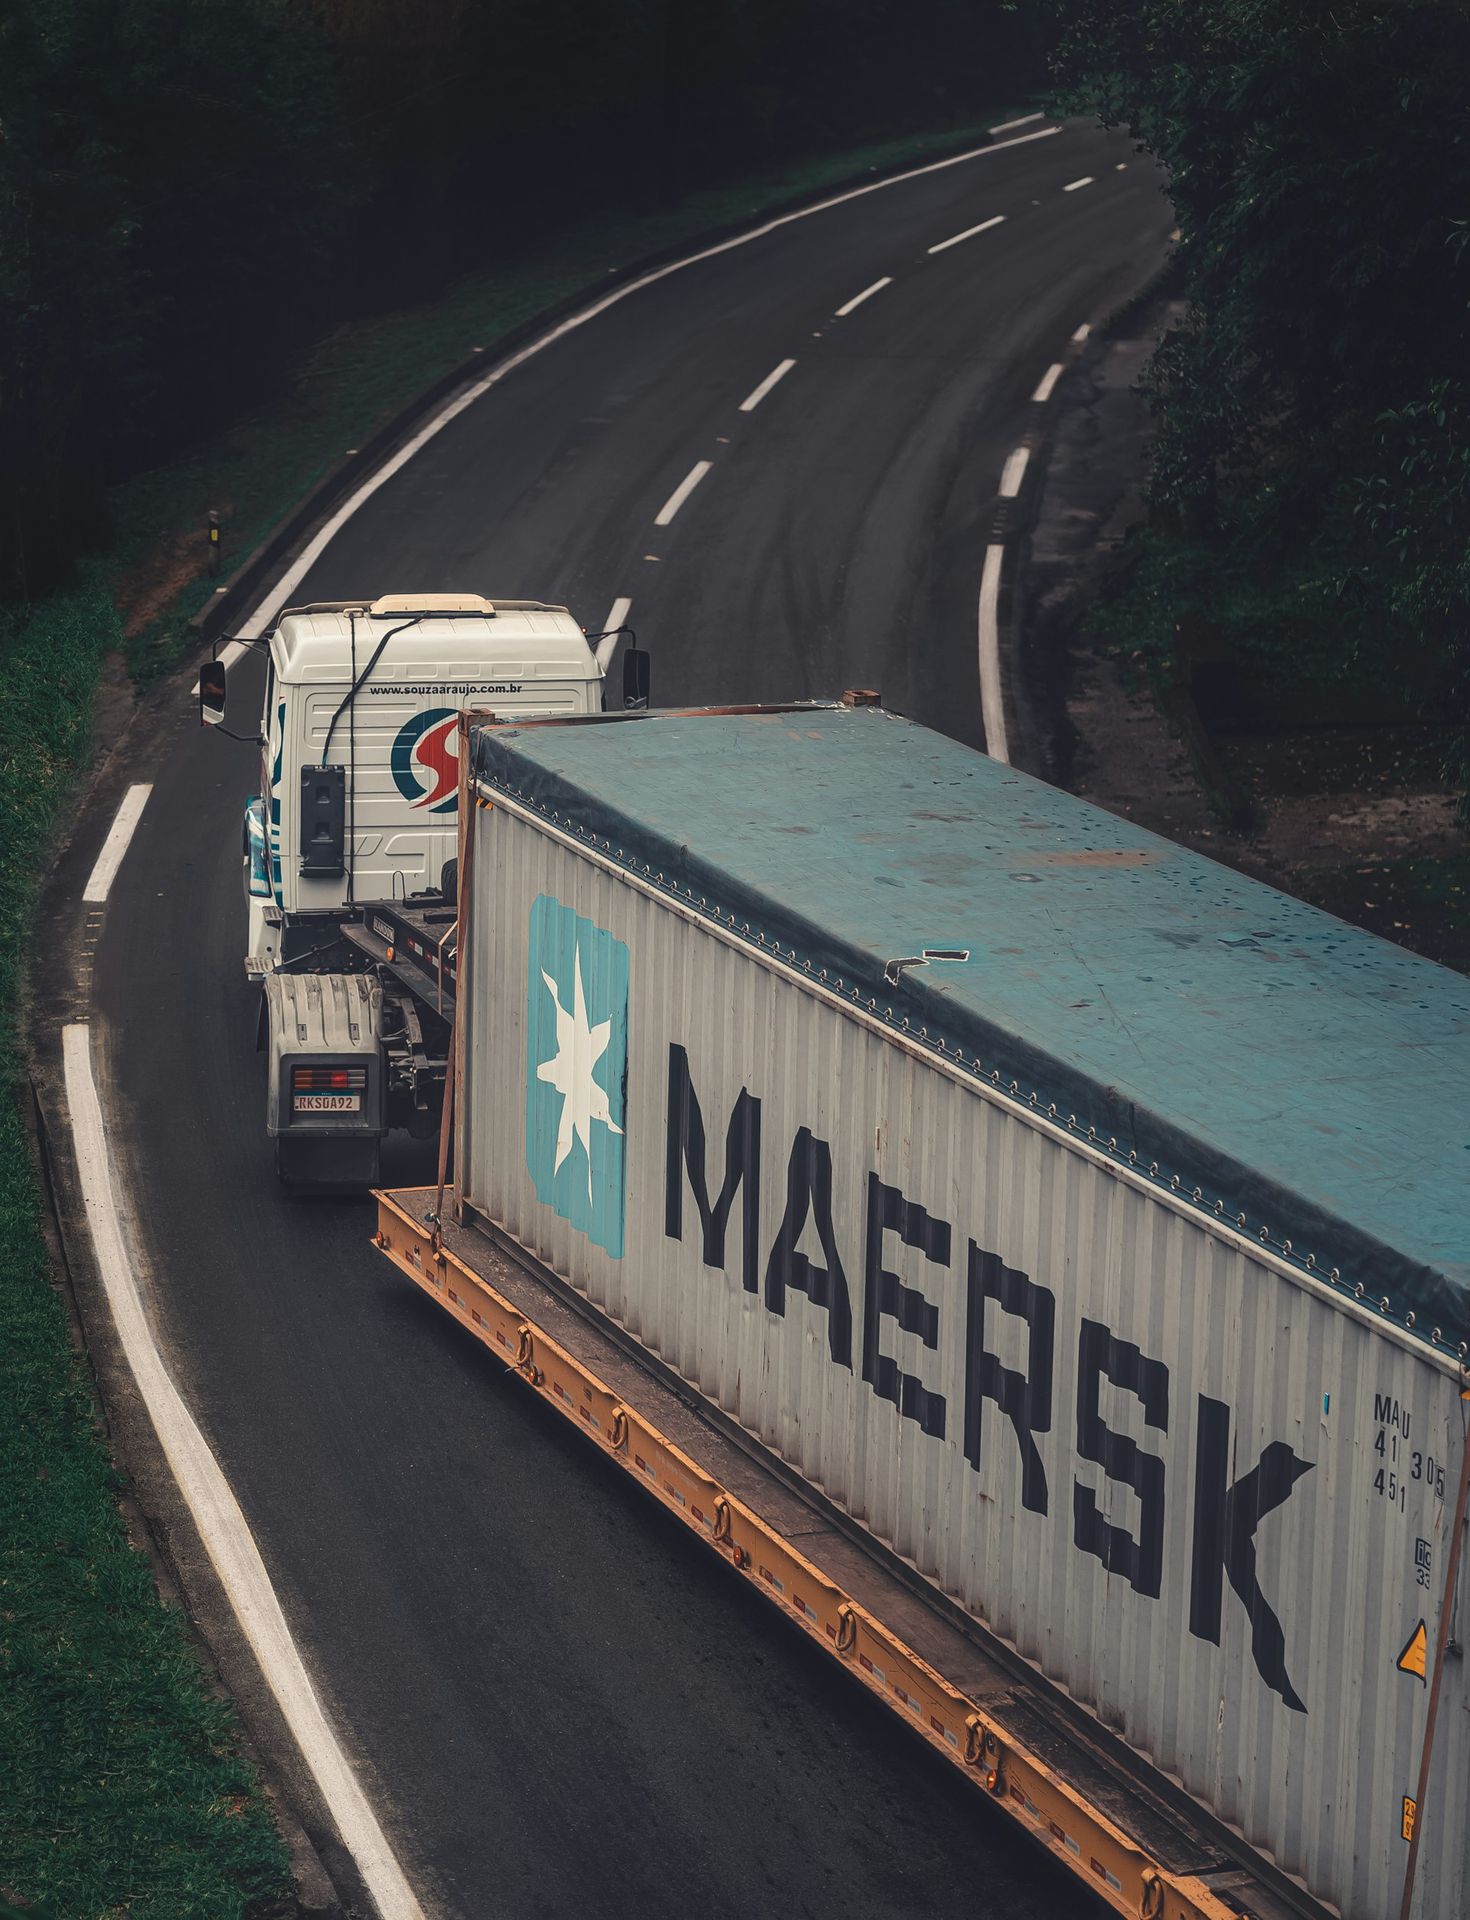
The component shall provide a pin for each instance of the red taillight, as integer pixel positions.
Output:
(328, 1079)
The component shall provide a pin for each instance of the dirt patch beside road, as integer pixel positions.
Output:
(1354, 818)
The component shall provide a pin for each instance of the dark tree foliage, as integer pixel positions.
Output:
(486, 114)
(1310, 489)
(190, 188)
(172, 179)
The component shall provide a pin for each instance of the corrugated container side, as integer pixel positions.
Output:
(1208, 1500)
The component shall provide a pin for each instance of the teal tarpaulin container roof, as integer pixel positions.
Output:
(1309, 1075)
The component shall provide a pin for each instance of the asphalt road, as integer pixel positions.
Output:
(561, 1704)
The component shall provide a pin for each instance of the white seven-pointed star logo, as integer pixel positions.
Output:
(579, 1047)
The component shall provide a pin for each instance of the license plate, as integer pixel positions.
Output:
(327, 1102)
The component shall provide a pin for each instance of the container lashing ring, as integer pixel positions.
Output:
(725, 1532)
(1151, 1900)
(847, 1628)
(982, 1750)
(526, 1355)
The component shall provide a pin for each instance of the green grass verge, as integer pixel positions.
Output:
(122, 1789)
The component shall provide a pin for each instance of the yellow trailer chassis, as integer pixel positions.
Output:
(1141, 1855)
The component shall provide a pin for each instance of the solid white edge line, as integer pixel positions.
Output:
(312, 552)
(682, 492)
(992, 707)
(236, 650)
(222, 1526)
(617, 614)
(124, 822)
(1046, 383)
(1024, 121)
(753, 399)
(1081, 334)
(968, 234)
(1086, 181)
(866, 294)
(1013, 471)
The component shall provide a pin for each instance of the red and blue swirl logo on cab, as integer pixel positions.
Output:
(425, 760)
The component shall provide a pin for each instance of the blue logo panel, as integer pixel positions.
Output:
(576, 1070)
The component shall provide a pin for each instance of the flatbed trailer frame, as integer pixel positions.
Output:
(415, 940)
(1144, 1847)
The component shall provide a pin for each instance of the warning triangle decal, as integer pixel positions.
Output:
(1414, 1658)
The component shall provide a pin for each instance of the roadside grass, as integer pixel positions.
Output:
(122, 1790)
(122, 1787)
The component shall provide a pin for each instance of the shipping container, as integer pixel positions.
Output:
(1084, 1219)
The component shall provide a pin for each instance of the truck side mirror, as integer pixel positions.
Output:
(635, 677)
(211, 693)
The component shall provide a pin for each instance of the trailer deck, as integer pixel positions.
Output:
(1143, 1849)
(415, 941)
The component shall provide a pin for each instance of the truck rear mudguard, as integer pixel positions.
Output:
(324, 1086)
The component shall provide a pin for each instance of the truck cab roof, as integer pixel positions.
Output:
(442, 637)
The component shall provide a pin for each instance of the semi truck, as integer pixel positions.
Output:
(347, 842)
(1034, 1256)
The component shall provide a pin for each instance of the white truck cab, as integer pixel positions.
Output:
(360, 732)
(354, 830)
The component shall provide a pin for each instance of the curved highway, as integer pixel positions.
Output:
(557, 1702)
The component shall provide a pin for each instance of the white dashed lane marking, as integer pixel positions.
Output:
(617, 616)
(1012, 473)
(969, 233)
(753, 399)
(866, 294)
(1047, 382)
(682, 492)
(99, 883)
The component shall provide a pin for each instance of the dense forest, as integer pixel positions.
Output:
(1311, 489)
(189, 189)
